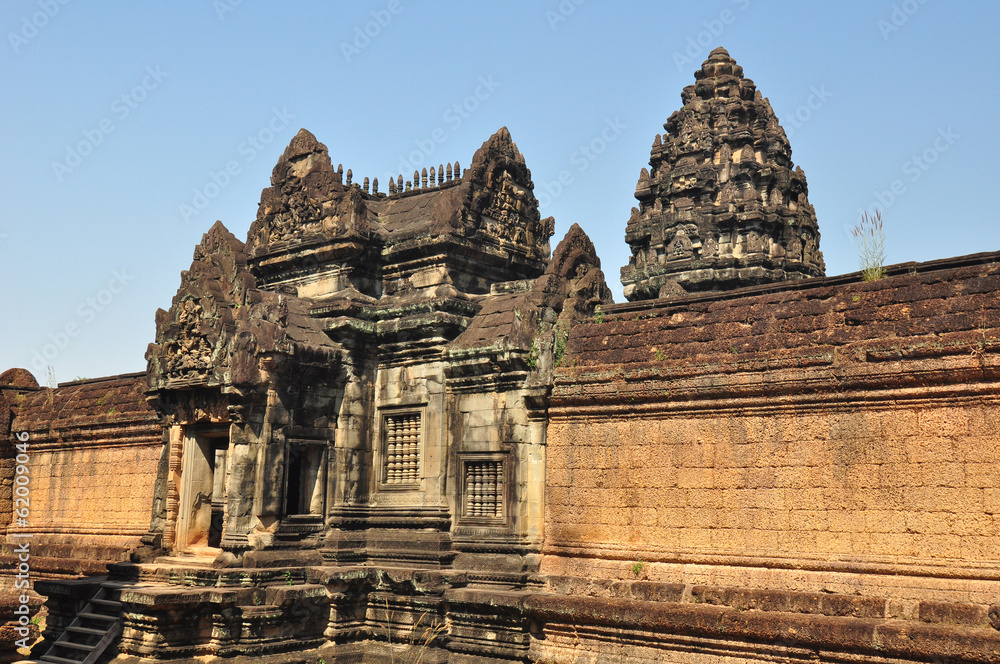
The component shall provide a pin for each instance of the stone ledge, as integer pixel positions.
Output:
(866, 636)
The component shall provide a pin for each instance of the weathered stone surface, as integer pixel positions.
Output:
(92, 448)
(811, 457)
(720, 206)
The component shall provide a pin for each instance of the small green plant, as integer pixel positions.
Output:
(532, 359)
(288, 577)
(870, 235)
(660, 355)
(855, 298)
(559, 347)
(257, 599)
(111, 411)
(637, 568)
(104, 399)
(598, 314)
(536, 349)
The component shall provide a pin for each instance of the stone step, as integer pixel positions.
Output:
(60, 660)
(97, 616)
(86, 630)
(200, 562)
(73, 646)
(105, 614)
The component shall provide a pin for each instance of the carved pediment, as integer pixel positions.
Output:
(189, 354)
(201, 317)
(503, 206)
(307, 200)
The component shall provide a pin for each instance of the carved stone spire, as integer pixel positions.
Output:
(721, 205)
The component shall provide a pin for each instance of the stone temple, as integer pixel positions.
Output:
(397, 426)
(720, 206)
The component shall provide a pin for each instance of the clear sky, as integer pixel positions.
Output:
(120, 120)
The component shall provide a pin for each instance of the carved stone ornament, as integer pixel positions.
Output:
(723, 171)
(189, 353)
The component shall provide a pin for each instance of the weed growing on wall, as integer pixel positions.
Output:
(418, 640)
(870, 236)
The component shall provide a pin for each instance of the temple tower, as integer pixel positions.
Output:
(721, 205)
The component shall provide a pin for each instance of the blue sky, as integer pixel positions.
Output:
(129, 128)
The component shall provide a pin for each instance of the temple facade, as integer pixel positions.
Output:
(395, 425)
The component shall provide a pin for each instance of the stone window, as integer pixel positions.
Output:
(484, 489)
(401, 449)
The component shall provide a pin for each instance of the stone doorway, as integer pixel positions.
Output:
(202, 492)
(305, 483)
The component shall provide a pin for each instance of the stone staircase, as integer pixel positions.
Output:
(90, 634)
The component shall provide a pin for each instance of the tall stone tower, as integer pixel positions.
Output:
(720, 206)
